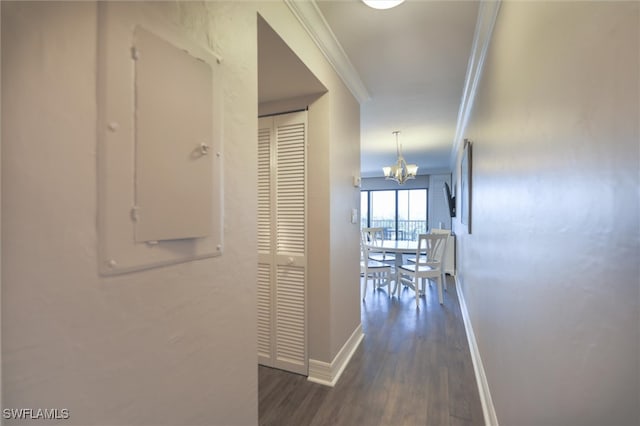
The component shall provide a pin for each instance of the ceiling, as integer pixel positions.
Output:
(407, 66)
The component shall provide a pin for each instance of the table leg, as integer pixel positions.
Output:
(398, 263)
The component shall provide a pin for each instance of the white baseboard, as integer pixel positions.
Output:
(489, 411)
(328, 373)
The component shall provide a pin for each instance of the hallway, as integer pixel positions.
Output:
(412, 368)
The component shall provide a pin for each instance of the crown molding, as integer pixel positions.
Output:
(312, 20)
(487, 15)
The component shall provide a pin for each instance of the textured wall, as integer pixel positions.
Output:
(172, 345)
(550, 273)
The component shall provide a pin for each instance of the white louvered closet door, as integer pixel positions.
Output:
(282, 262)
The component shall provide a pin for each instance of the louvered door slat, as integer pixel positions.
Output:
(290, 189)
(264, 311)
(281, 242)
(290, 343)
(264, 190)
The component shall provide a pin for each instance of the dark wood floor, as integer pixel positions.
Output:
(412, 368)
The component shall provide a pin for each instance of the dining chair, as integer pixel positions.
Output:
(378, 272)
(428, 265)
(375, 236)
(447, 232)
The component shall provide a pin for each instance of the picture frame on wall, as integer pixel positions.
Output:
(465, 185)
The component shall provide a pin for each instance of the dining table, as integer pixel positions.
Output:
(397, 247)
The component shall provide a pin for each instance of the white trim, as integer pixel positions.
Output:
(320, 372)
(328, 374)
(488, 409)
(312, 20)
(487, 14)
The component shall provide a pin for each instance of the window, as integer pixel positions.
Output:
(364, 209)
(383, 212)
(402, 213)
(412, 213)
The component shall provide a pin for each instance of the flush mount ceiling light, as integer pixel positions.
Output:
(382, 4)
(401, 171)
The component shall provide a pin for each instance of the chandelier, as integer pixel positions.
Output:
(401, 171)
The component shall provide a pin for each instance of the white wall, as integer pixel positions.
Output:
(550, 273)
(172, 345)
(438, 207)
(318, 235)
(344, 154)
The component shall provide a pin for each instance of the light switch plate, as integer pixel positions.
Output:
(354, 216)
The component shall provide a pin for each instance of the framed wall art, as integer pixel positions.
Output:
(465, 185)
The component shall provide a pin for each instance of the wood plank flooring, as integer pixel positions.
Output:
(412, 368)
